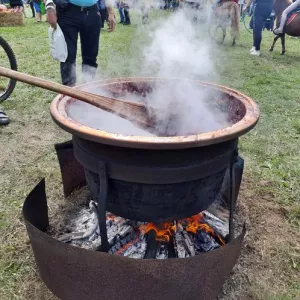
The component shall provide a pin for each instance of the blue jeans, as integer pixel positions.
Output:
(122, 17)
(260, 14)
(37, 7)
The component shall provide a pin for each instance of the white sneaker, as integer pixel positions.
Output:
(252, 49)
(256, 53)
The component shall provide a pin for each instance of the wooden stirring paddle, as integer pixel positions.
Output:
(132, 111)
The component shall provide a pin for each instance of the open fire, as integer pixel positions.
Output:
(174, 239)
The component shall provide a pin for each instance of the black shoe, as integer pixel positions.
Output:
(126, 23)
(121, 22)
(4, 119)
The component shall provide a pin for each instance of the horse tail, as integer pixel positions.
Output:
(235, 20)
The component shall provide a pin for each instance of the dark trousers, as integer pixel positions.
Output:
(260, 14)
(104, 15)
(88, 24)
(32, 9)
(126, 14)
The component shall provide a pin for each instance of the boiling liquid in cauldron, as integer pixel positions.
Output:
(97, 118)
(180, 109)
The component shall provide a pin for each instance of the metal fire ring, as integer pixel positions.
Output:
(73, 273)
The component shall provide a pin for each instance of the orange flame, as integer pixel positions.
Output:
(163, 231)
(196, 223)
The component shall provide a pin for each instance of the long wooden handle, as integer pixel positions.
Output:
(134, 112)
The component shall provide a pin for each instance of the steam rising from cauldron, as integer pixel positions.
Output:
(178, 49)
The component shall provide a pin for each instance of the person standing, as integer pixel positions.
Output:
(121, 13)
(79, 17)
(38, 12)
(126, 13)
(262, 10)
(30, 3)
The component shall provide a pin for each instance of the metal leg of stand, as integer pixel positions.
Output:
(102, 203)
(232, 193)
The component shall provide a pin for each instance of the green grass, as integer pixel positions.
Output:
(271, 150)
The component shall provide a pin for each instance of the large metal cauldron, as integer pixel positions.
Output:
(157, 178)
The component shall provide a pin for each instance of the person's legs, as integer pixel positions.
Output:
(32, 9)
(37, 11)
(127, 17)
(259, 17)
(121, 13)
(284, 16)
(258, 22)
(89, 36)
(70, 25)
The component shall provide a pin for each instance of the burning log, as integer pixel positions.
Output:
(217, 224)
(134, 249)
(185, 247)
(204, 242)
(152, 245)
(123, 237)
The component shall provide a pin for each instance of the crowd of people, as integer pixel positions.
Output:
(38, 9)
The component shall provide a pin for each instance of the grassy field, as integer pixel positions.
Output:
(270, 264)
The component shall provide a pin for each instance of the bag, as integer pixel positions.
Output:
(43, 9)
(58, 45)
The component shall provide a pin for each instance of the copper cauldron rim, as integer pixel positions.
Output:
(250, 119)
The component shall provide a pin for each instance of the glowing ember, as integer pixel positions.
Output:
(163, 230)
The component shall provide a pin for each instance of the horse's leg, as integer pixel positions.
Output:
(282, 44)
(233, 42)
(274, 42)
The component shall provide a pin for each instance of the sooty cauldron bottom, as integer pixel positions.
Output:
(73, 273)
(155, 185)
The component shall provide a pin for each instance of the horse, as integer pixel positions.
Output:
(227, 14)
(291, 28)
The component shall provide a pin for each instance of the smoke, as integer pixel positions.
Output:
(179, 49)
(176, 47)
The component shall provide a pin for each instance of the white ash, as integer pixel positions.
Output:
(185, 246)
(217, 224)
(85, 229)
(162, 252)
(136, 250)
